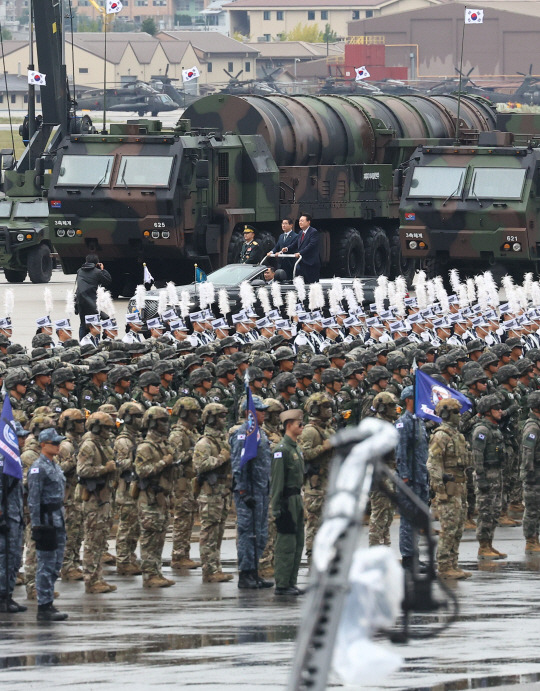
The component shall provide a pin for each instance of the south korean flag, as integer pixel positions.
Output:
(361, 73)
(474, 16)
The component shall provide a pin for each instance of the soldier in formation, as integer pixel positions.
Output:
(336, 374)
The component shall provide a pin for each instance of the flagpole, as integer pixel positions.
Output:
(104, 131)
(460, 77)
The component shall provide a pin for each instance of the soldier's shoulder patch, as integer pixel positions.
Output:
(33, 471)
(87, 398)
(58, 410)
(532, 436)
(215, 398)
(240, 436)
(399, 425)
(255, 242)
(481, 436)
(339, 399)
(29, 398)
(278, 454)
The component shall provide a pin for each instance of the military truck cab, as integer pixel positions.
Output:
(25, 247)
(467, 206)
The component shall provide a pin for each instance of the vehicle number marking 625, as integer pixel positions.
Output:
(159, 224)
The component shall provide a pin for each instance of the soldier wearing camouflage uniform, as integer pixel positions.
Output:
(184, 435)
(16, 383)
(350, 396)
(46, 486)
(377, 379)
(128, 531)
(11, 532)
(317, 451)
(71, 424)
(119, 383)
(272, 429)
(153, 464)
(487, 444)
(251, 482)
(38, 394)
(63, 397)
(30, 453)
(285, 387)
(93, 393)
(222, 391)
(96, 469)
(530, 474)
(447, 460)
(148, 391)
(382, 509)
(211, 459)
(200, 381)
(507, 379)
(167, 395)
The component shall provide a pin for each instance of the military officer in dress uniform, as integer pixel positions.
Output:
(251, 250)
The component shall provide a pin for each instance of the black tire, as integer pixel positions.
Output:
(400, 266)
(347, 254)
(377, 253)
(235, 245)
(14, 275)
(39, 263)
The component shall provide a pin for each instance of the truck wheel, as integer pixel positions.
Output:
(39, 262)
(400, 266)
(15, 276)
(235, 245)
(377, 253)
(347, 254)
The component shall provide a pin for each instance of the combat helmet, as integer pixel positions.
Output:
(186, 405)
(317, 401)
(68, 418)
(377, 373)
(330, 375)
(199, 375)
(224, 366)
(40, 422)
(99, 421)
(62, 375)
(118, 373)
(284, 380)
(274, 406)
(487, 403)
(533, 400)
(382, 400)
(149, 379)
(153, 415)
(129, 410)
(505, 373)
(211, 411)
(446, 407)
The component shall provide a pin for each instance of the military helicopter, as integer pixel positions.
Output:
(251, 87)
(163, 84)
(397, 87)
(138, 96)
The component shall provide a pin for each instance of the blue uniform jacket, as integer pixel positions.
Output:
(46, 485)
(411, 453)
(14, 492)
(254, 476)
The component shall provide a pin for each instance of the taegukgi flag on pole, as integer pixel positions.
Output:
(428, 392)
(253, 435)
(113, 6)
(9, 444)
(188, 75)
(474, 16)
(361, 73)
(37, 78)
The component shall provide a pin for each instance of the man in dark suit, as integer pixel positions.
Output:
(307, 245)
(285, 239)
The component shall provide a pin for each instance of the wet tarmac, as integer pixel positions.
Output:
(209, 636)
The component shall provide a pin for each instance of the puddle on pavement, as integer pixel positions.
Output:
(134, 651)
(485, 682)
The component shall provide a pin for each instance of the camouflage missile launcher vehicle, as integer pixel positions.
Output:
(25, 247)
(477, 205)
(180, 196)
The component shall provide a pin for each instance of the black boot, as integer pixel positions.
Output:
(247, 581)
(261, 583)
(9, 606)
(49, 612)
(407, 562)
